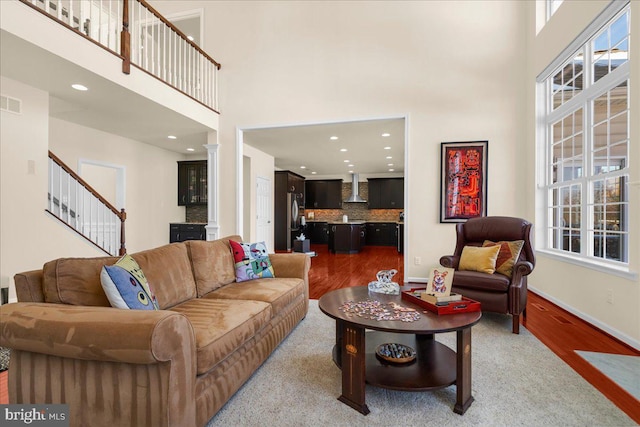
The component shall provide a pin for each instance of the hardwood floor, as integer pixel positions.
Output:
(559, 330)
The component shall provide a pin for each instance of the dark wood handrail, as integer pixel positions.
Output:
(68, 170)
(180, 33)
(121, 214)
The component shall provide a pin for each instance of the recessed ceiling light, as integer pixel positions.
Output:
(389, 164)
(386, 134)
(79, 87)
(347, 161)
(389, 157)
(190, 38)
(333, 138)
(313, 173)
(350, 171)
(387, 148)
(391, 170)
(172, 137)
(350, 165)
(303, 167)
(191, 149)
(343, 149)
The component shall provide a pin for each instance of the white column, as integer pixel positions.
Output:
(212, 227)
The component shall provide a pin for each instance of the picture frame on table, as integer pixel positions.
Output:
(463, 191)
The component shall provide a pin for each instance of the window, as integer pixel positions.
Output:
(552, 6)
(586, 141)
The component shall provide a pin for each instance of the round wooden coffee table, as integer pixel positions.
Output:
(435, 366)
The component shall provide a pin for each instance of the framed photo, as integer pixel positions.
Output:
(463, 191)
(440, 280)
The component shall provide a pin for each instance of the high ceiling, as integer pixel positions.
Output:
(311, 146)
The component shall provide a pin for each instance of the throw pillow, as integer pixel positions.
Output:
(475, 258)
(251, 261)
(508, 255)
(126, 285)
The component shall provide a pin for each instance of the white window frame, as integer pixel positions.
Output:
(546, 116)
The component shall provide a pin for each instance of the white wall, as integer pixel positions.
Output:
(29, 236)
(151, 178)
(454, 68)
(581, 289)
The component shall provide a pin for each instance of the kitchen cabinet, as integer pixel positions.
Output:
(288, 207)
(192, 182)
(318, 232)
(179, 232)
(386, 193)
(381, 234)
(400, 234)
(344, 238)
(324, 194)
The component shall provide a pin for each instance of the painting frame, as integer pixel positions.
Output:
(463, 176)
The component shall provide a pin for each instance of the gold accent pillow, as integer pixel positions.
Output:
(508, 255)
(476, 258)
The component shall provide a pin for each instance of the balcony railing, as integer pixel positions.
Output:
(142, 37)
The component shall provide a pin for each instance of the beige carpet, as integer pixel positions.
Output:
(517, 381)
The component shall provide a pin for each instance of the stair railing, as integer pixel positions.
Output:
(76, 204)
(142, 37)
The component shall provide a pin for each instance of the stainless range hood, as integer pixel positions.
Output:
(355, 196)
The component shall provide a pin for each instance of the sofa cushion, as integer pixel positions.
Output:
(479, 259)
(509, 253)
(75, 281)
(212, 263)
(482, 281)
(251, 261)
(221, 326)
(279, 292)
(168, 269)
(126, 286)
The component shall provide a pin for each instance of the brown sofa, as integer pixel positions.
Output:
(173, 367)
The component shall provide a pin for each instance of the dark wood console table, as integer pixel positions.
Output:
(436, 365)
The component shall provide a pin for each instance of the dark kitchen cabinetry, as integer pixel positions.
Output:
(381, 234)
(400, 234)
(318, 232)
(289, 194)
(344, 238)
(180, 232)
(323, 194)
(192, 182)
(386, 193)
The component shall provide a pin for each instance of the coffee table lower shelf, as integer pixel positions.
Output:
(433, 368)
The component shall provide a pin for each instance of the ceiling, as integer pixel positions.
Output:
(106, 106)
(311, 147)
(111, 108)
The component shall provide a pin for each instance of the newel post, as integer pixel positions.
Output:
(125, 39)
(123, 217)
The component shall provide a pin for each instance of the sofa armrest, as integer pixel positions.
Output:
(100, 359)
(450, 261)
(97, 333)
(290, 265)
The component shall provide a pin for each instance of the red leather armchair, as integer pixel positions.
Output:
(496, 292)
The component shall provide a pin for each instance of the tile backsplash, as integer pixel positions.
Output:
(355, 211)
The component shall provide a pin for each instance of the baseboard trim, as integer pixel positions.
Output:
(604, 328)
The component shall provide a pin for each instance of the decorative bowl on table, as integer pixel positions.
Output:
(395, 353)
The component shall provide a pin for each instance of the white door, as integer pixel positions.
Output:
(263, 211)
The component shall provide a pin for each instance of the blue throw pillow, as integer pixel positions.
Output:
(126, 285)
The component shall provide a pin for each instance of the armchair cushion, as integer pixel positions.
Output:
(463, 280)
(509, 253)
(474, 258)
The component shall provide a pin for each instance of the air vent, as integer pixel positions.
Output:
(11, 105)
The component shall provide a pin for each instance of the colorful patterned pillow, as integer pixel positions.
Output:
(476, 258)
(508, 255)
(251, 260)
(126, 285)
